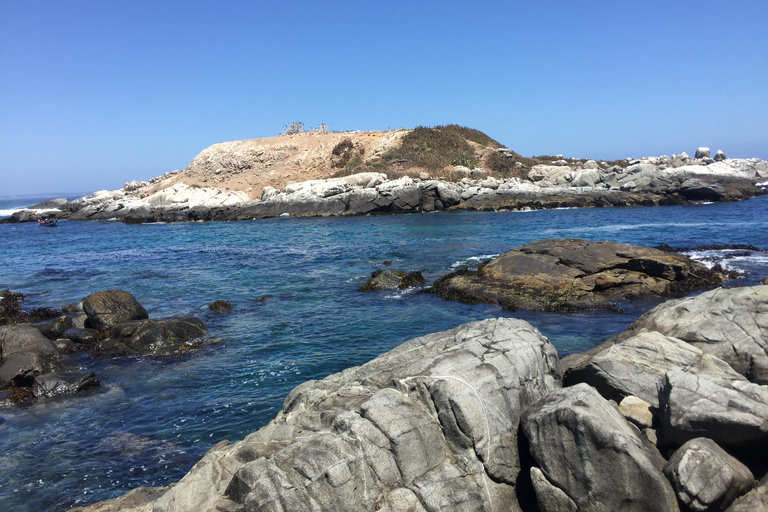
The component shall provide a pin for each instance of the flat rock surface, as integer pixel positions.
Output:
(569, 274)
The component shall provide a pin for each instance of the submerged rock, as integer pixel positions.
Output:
(392, 279)
(221, 306)
(157, 337)
(55, 384)
(571, 274)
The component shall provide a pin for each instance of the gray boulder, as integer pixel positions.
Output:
(549, 497)
(635, 366)
(82, 336)
(720, 156)
(731, 324)
(585, 448)
(755, 500)
(705, 477)
(711, 400)
(702, 153)
(108, 308)
(430, 425)
(53, 329)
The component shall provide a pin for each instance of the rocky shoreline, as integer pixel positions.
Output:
(669, 415)
(563, 184)
(36, 358)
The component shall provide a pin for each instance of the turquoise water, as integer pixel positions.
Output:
(153, 418)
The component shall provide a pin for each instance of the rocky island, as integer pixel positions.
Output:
(322, 173)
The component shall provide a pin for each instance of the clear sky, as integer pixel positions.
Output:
(97, 93)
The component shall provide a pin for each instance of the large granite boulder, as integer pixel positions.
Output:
(731, 324)
(430, 425)
(111, 307)
(568, 274)
(705, 477)
(585, 448)
(717, 403)
(636, 366)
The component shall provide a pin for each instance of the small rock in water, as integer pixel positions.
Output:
(391, 279)
(221, 306)
(263, 298)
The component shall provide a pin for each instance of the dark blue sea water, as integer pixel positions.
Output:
(153, 418)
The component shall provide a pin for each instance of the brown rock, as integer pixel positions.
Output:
(570, 274)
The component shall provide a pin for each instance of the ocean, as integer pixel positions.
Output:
(153, 418)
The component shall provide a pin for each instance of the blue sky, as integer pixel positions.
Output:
(96, 93)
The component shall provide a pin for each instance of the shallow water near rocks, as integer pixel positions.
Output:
(153, 418)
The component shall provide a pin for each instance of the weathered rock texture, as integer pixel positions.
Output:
(586, 449)
(431, 425)
(705, 477)
(568, 274)
(755, 500)
(637, 366)
(731, 324)
(714, 401)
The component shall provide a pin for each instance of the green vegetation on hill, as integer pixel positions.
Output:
(433, 149)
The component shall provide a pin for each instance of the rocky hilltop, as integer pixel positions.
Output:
(318, 173)
(487, 417)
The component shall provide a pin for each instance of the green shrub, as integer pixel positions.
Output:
(342, 153)
(431, 148)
